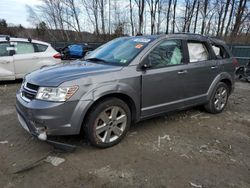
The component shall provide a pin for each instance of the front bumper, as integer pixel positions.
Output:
(52, 118)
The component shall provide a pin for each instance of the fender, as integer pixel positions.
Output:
(113, 87)
(217, 79)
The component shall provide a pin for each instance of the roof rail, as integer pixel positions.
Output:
(187, 33)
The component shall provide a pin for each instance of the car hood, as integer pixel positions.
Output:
(57, 74)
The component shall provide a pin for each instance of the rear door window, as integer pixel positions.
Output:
(40, 47)
(4, 49)
(24, 48)
(197, 52)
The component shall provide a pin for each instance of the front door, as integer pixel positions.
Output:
(7, 71)
(162, 81)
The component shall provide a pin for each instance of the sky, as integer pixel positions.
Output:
(15, 12)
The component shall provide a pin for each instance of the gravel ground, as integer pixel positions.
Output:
(190, 148)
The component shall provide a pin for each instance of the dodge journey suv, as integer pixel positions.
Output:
(124, 81)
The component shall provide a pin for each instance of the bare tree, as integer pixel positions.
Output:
(239, 16)
(174, 15)
(74, 13)
(190, 15)
(153, 4)
(141, 7)
(168, 17)
(102, 4)
(224, 16)
(219, 7)
(196, 16)
(204, 15)
(230, 17)
(131, 18)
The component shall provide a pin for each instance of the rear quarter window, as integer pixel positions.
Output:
(40, 47)
(220, 52)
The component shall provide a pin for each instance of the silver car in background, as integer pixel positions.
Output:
(124, 81)
(19, 56)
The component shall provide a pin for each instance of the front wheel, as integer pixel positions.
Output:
(219, 99)
(107, 123)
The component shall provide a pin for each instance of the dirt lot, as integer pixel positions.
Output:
(184, 149)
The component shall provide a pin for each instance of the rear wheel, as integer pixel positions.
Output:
(219, 99)
(108, 122)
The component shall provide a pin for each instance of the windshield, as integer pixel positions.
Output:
(119, 51)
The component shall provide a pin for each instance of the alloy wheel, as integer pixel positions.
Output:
(110, 124)
(220, 98)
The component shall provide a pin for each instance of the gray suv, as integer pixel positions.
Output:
(124, 81)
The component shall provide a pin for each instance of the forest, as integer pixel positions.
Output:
(102, 20)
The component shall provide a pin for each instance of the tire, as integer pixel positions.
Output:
(101, 129)
(220, 94)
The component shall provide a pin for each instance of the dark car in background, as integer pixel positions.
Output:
(124, 81)
(75, 51)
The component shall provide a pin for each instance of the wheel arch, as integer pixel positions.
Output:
(223, 77)
(122, 96)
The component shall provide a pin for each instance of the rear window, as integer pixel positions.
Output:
(40, 47)
(24, 48)
(197, 52)
(220, 52)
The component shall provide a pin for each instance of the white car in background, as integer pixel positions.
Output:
(19, 56)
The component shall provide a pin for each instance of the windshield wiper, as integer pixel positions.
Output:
(95, 59)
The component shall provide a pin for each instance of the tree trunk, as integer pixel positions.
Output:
(168, 12)
(204, 16)
(174, 13)
(191, 15)
(196, 16)
(219, 20)
(185, 17)
(238, 18)
(230, 18)
(131, 17)
(102, 15)
(224, 17)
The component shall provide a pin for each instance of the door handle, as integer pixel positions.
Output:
(214, 67)
(182, 72)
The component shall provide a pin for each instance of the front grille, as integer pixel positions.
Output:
(29, 91)
(32, 86)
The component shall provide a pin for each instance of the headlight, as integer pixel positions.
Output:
(56, 94)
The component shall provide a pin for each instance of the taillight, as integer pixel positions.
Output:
(57, 56)
(235, 62)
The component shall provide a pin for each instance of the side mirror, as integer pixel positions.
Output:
(145, 64)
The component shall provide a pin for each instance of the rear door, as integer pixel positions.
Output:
(201, 70)
(25, 59)
(7, 70)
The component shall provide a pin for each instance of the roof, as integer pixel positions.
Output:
(13, 39)
(185, 36)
